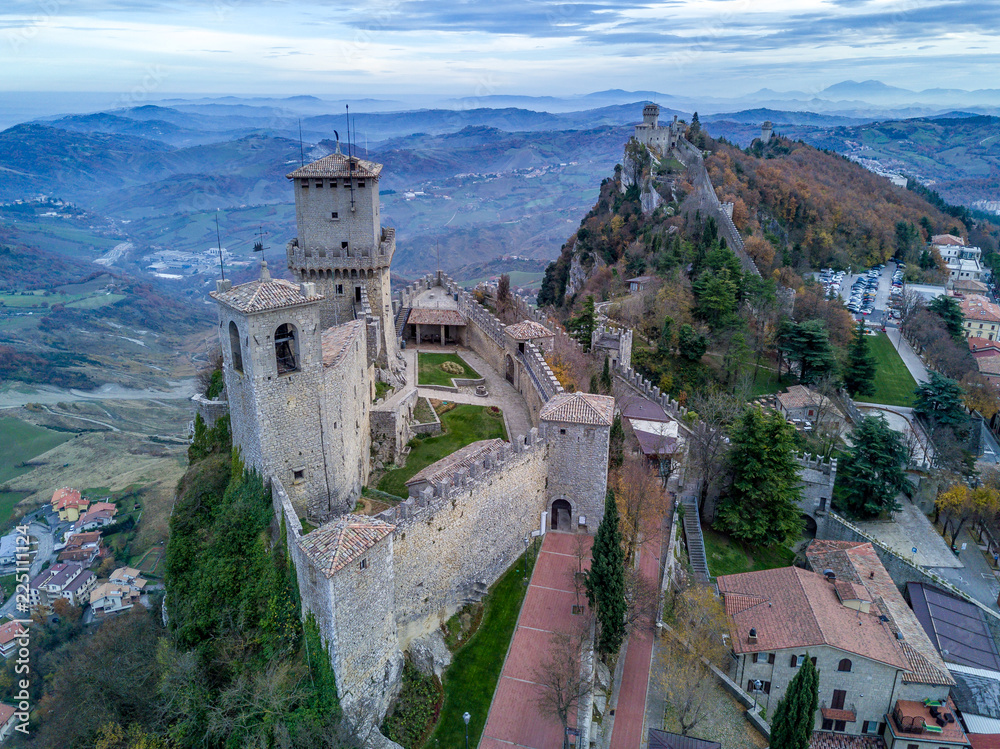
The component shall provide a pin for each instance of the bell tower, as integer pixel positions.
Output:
(342, 247)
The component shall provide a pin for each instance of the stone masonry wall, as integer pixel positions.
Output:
(345, 423)
(458, 536)
(818, 477)
(210, 410)
(390, 428)
(276, 418)
(578, 469)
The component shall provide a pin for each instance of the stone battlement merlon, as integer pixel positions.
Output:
(434, 494)
(307, 259)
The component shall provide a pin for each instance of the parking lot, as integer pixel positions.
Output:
(879, 297)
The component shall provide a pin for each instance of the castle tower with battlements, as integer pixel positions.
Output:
(342, 247)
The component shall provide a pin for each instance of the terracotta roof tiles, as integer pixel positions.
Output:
(579, 408)
(264, 294)
(335, 341)
(337, 165)
(463, 458)
(527, 330)
(425, 316)
(337, 544)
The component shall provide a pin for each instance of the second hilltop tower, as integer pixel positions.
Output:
(342, 247)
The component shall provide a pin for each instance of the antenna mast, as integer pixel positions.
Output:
(218, 239)
(302, 154)
(350, 159)
(258, 246)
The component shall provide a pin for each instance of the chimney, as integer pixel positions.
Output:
(265, 274)
(223, 285)
(307, 289)
(830, 575)
(752, 637)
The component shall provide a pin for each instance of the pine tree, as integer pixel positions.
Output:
(859, 377)
(606, 381)
(872, 474)
(950, 312)
(606, 580)
(794, 717)
(582, 326)
(760, 508)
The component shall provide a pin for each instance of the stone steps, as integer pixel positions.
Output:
(695, 541)
(404, 313)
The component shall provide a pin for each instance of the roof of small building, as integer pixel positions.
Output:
(665, 740)
(264, 294)
(462, 458)
(10, 630)
(976, 691)
(977, 343)
(989, 365)
(79, 581)
(640, 279)
(337, 544)
(6, 713)
(656, 444)
(82, 539)
(824, 740)
(955, 626)
(338, 165)
(526, 330)
(336, 340)
(799, 396)
(425, 316)
(794, 608)
(109, 589)
(967, 284)
(57, 574)
(979, 308)
(579, 408)
(643, 408)
(67, 497)
(947, 239)
(857, 562)
(91, 515)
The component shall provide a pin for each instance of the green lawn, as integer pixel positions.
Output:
(429, 370)
(462, 425)
(767, 382)
(726, 557)
(21, 441)
(894, 385)
(472, 678)
(9, 584)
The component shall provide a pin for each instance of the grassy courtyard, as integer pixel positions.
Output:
(894, 385)
(430, 372)
(461, 425)
(726, 557)
(472, 678)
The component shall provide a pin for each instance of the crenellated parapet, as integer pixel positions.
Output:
(436, 493)
(826, 466)
(651, 392)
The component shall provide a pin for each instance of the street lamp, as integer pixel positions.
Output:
(466, 717)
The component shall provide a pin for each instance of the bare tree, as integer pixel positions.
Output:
(682, 668)
(581, 550)
(642, 503)
(708, 444)
(563, 676)
(643, 599)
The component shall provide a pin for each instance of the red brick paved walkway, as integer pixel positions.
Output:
(514, 719)
(631, 708)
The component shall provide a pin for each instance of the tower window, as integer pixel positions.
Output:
(343, 245)
(363, 564)
(333, 183)
(234, 345)
(335, 216)
(347, 184)
(286, 349)
(340, 288)
(298, 475)
(319, 183)
(305, 184)
(361, 183)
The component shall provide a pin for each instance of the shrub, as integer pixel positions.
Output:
(452, 367)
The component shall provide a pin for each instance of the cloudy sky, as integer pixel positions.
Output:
(477, 47)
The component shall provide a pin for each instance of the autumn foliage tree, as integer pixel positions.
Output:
(959, 504)
(642, 503)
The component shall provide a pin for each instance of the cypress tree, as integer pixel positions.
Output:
(859, 378)
(606, 376)
(794, 717)
(606, 580)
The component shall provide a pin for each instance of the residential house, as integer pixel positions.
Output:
(977, 696)
(8, 550)
(68, 504)
(8, 720)
(875, 662)
(112, 598)
(83, 548)
(987, 356)
(982, 317)
(70, 581)
(97, 515)
(802, 405)
(130, 578)
(964, 262)
(638, 284)
(9, 633)
(660, 438)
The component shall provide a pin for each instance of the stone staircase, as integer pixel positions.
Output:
(695, 541)
(401, 317)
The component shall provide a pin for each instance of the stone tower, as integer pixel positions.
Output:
(577, 427)
(766, 130)
(651, 115)
(342, 247)
(269, 331)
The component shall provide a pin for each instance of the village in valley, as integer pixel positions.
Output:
(690, 499)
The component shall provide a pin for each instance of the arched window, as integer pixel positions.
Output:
(845, 665)
(286, 349)
(234, 344)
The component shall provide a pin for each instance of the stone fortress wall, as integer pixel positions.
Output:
(457, 536)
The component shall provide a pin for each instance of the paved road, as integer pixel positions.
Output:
(976, 578)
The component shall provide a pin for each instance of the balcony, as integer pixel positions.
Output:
(931, 720)
(846, 713)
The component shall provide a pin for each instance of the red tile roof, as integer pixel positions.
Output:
(799, 609)
(335, 341)
(9, 631)
(264, 294)
(6, 713)
(425, 316)
(579, 408)
(67, 497)
(337, 544)
(821, 740)
(526, 330)
(979, 308)
(858, 563)
(337, 165)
